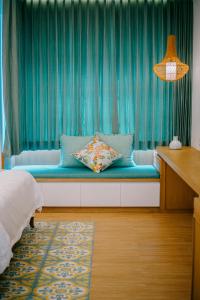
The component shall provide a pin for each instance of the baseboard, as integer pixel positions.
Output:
(111, 210)
(99, 209)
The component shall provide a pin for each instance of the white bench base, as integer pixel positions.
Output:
(101, 194)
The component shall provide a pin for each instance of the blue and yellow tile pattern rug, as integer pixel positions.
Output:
(51, 261)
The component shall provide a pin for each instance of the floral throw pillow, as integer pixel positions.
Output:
(97, 155)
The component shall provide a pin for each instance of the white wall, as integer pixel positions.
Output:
(196, 78)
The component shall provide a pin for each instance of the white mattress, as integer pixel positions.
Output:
(20, 196)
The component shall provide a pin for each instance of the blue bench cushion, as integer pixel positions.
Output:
(52, 171)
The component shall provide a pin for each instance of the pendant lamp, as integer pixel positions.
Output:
(171, 68)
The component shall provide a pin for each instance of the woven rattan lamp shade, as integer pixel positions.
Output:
(171, 68)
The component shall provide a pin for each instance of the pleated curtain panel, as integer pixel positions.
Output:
(78, 67)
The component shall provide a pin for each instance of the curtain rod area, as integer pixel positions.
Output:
(66, 2)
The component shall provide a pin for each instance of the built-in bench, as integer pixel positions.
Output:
(117, 186)
(52, 171)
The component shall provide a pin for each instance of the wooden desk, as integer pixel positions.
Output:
(180, 189)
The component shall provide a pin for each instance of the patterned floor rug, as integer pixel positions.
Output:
(51, 261)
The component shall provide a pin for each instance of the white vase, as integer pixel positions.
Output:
(175, 143)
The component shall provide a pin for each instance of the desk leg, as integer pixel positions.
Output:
(175, 194)
(162, 184)
(196, 252)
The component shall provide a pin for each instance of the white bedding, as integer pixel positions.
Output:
(20, 196)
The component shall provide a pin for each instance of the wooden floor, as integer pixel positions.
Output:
(137, 255)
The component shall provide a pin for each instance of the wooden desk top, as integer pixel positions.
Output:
(185, 162)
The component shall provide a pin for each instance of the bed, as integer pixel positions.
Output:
(20, 197)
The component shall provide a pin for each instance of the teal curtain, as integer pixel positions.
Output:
(11, 77)
(77, 67)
